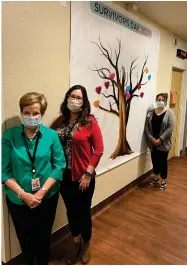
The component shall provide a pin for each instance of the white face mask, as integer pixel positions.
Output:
(160, 104)
(31, 121)
(74, 105)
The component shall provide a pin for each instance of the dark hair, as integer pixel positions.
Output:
(85, 109)
(164, 95)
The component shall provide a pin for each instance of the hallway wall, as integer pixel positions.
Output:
(36, 39)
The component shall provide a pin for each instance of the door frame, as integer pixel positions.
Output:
(185, 133)
(182, 108)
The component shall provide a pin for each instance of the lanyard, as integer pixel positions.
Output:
(71, 128)
(68, 132)
(32, 158)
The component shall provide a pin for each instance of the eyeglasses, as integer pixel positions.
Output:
(72, 96)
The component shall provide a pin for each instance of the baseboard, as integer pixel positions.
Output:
(182, 152)
(59, 236)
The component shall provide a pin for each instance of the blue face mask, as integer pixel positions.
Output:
(160, 104)
(30, 121)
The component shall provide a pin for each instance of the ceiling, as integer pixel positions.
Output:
(170, 15)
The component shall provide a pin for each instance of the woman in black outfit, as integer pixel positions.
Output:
(159, 129)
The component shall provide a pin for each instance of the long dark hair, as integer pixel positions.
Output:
(85, 109)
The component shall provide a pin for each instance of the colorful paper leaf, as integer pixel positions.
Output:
(128, 88)
(146, 70)
(96, 103)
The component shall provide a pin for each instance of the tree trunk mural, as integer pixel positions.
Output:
(122, 94)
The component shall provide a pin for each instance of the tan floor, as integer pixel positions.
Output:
(146, 226)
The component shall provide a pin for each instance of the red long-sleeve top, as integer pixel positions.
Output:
(87, 147)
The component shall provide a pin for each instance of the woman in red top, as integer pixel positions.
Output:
(82, 141)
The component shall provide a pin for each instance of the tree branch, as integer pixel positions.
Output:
(124, 78)
(128, 103)
(103, 75)
(115, 97)
(109, 111)
(131, 70)
(108, 96)
(105, 52)
(118, 54)
(134, 95)
(137, 76)
(112, 110)
(100, 69)
(110, 50)
(141, 77)
(114, 103)
(117, 59)
(145, 82)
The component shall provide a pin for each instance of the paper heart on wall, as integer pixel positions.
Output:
(107, 84)
(111, 76)
(142, 94)
(139, 86)
(98, 89)
(127, 95)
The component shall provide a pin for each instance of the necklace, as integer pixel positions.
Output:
(31, 138)
(33, 134)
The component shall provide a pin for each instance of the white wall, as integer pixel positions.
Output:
(168, 60)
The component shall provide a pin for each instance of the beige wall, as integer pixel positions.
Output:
(36, 38)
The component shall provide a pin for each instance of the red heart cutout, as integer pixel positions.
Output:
(107, 84)
(112, 76)
(139, 86)
(98, 89)
(141, 94)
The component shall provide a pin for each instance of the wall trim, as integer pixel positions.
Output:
(182, 152)
(181, 104)
(59, 236)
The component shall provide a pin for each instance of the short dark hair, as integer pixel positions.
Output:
(164, 95)
(85, 109)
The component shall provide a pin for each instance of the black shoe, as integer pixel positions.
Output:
(86, 252)
(73, 254)
(154, 181)
(163, 186)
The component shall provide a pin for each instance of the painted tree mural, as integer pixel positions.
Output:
(122, 93)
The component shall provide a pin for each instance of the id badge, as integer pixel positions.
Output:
(35, 184)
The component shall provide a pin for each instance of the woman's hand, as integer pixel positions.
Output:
(39, 194)
(154, 141)
(84, 182)
(158, 141)
(30, 199)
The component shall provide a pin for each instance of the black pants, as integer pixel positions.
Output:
(33, 228)
(160, 162)
(78, 205)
